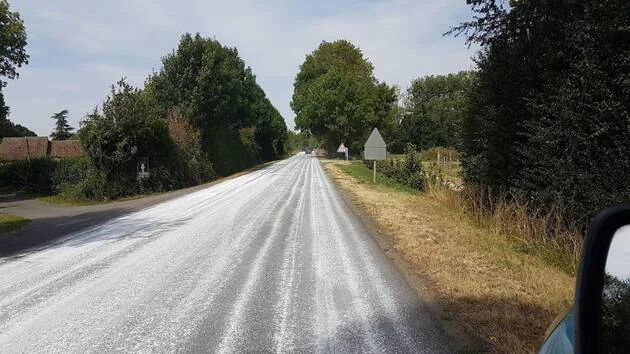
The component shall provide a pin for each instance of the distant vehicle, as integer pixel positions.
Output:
(599, 321)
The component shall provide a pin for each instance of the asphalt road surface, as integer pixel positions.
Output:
(272, 261)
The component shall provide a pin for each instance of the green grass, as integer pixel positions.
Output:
(10, 223)
(359, 171)
(59, 200)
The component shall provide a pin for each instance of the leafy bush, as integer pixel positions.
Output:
(129, 128)
(34, 175)
(69, 171)
(196, 167)
(407, 170)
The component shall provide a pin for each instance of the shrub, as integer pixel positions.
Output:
(69, 172)
(195, 166)
(128, 129)
(33, 176)
(407, 170)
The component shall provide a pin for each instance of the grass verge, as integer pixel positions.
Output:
(487, 283)
(364, 175)
(10, 223)
(61, 200)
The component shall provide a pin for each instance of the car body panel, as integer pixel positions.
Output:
(562, 338)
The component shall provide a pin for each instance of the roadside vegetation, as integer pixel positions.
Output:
(497, 285)
(10, 223)
(516, 156)
(193, 121)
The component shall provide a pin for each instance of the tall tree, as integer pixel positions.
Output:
(12, 42)
(213, 88)
(434, 108)
(12, 56)
(337, 98)
(63, 130)
(550, 110)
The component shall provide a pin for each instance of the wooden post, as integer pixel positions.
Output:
(374, 179)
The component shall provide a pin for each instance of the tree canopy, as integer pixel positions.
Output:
(63, 130)
(212, 87)
(434, 108)
(549, 113)
(337, 98)
(12, 43)
(12, 56)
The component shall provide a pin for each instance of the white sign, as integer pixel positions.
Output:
(343, 150)
(143, 168)
(375, 147)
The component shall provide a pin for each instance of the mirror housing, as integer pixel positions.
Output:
(590, 279)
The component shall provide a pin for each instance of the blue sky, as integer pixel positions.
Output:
(79, 48)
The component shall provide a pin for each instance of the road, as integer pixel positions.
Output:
(272, 261)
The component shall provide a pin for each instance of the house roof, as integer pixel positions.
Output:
(14, 149)
(66, 148)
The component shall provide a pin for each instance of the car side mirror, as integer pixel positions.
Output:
(602, 296)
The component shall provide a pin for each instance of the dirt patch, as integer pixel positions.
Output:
(486, 287)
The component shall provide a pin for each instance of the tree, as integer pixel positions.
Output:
(12, 56)
(434, 108)
(271, 131)
(127, 129)
(188, 148)
(213, 89)
(550, 109)
(337, 98)
(12, 43)
(63, 130)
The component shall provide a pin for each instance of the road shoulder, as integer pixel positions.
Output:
(489, 293)
(462, 342)
(49, 221)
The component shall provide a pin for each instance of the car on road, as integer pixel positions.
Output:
(599, 321)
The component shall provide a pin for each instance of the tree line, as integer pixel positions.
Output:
(337, 99)
(548, 116)
(202, 115)
(544, 117)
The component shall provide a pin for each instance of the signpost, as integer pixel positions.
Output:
(375, 149)
(143, 168)
(343, 150)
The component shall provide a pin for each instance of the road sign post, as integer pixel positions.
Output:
(374, 170)
(342, 149)
(143, 168)
(375, 149)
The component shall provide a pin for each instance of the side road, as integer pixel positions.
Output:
(51, 221)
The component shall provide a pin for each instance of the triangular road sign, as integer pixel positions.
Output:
(375, 140)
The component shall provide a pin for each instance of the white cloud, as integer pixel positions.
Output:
(79, 48)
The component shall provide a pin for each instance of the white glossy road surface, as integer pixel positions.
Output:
(272, 261)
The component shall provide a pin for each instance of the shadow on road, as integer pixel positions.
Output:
(77, 230)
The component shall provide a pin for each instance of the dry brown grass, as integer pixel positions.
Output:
(485, 282)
